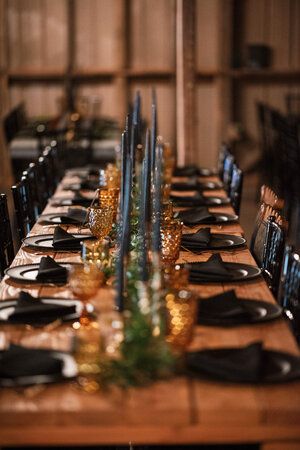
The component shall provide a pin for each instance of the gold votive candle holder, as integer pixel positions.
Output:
(181, 310)
(170, 233)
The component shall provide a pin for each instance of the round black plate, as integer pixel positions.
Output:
(278, 367)
(7, 307)
(69, 371)
(27, 273)
(55, 219)
(69, 202)
(218, 241)
(262, 312)
(206, 201)
(201, 186)
(240, 272)
(221, 218)
(45, 242)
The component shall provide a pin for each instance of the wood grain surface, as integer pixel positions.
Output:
(179, 410)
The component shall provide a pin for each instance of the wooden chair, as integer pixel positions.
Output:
(6, 242)
(289, 289)
(273, 252)
(24, 208)
(236, 188)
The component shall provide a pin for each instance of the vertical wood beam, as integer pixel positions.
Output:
(6, 177)
(185, 80)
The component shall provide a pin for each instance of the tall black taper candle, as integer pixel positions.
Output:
(144, 205)
(153, 129)
(156, 198)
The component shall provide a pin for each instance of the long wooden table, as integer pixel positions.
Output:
(178, 410)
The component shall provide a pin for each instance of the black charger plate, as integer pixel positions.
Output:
(206, 201)
(240, 272)
(262, 312)
(69, 372)
(27, 273)
(45, 242)
(220, 219)
(200, 186)
(7, 307)
(55, 219)
(218, 241)
(69, 202)
(278, 367)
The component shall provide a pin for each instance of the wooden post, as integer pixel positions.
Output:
(6, 177)
(185, 80)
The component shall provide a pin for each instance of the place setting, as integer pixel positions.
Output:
(204, 239)
(59, 241)
(215, 270)
(227, 310)
(193, 184)
(198, 199)
(74, 216)
(201, 215)
(193, 170)
(77, 199)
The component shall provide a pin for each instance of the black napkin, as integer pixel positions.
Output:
(19, 361)
(80, 200)
(33, 310)
(63, 240)
(196, 216)
(229, 364)
(74, 215)
(212, 269)
(89, 185)
(191, 200)
(186, 171)
(190, 185)
(225, 307)
(51, 272)
(200, 239)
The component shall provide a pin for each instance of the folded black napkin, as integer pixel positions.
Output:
(190, 185)
(74, 215)
(191, 200)
(51, 272)
(19, 361)
(65, 241)
(200, 239)
(226, 308)
(33, 310)
(229, 364)
(212, 269)
(89, 185)
(186, 171)
(196, 216)
(80, 200)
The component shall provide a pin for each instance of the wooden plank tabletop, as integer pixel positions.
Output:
(178, 410)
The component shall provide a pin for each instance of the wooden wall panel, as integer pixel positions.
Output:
(207, 140)
(152, 34)
(207, 35)
(39, 100)
(37, 34)
(98, 25)
(165, 107)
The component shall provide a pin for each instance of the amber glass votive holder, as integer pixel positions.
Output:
(170, 233)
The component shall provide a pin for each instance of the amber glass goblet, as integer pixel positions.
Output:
(84, 281)
(109, 198)
(167, 212)
(170, 233)
(100, 221)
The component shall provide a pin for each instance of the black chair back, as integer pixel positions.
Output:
(289, 289)
(236, 188)
(223, 153)
(43, 190)
(6, 243)
(24, 209)
(273, 253)
(33, 186)
(227, 171)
